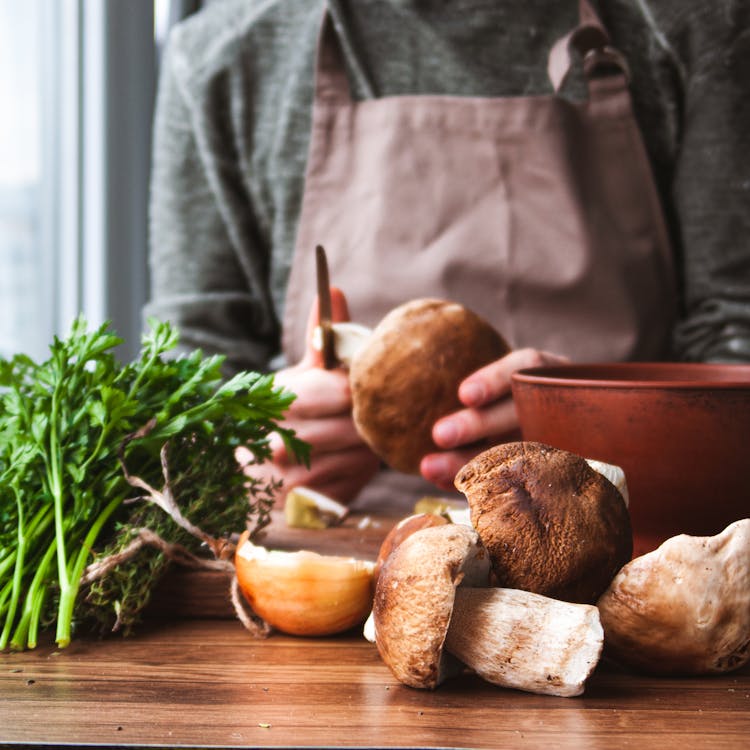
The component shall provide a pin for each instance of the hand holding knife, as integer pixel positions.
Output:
(321, 414)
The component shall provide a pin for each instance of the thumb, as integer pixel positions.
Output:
(339, 313)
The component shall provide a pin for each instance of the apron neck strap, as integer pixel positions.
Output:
(587, 14)
(590, 41)
(334, 52)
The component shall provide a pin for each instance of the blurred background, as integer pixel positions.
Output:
(77, 86)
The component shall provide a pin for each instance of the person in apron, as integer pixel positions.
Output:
(538, 213)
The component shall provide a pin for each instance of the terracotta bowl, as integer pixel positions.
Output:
(680, 432)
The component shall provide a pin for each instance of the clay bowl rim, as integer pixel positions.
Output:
(638, 375)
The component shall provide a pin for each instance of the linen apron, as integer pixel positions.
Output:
(539, 213)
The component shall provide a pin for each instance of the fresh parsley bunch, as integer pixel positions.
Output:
(76, 429)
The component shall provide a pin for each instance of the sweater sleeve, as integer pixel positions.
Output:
(711, 190)
(201, 231)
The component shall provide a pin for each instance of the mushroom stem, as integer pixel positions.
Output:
(526, 641)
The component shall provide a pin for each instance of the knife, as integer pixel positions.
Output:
(328, 348)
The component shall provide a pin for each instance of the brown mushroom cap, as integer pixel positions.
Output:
(551, 523)
(401, 531)
(414, 600)
(683, 608)
(407, 375)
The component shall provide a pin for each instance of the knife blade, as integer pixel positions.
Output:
(325, 313)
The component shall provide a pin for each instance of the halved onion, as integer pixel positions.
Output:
(303, 592)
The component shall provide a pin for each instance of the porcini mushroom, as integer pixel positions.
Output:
(434, 613)
(401, 531)
(406, 375)
(683, 608)
(551, 523)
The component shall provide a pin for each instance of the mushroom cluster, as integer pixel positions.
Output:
(551, 528)
(434, 612)
(541, 583)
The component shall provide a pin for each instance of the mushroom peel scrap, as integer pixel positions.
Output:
(434, 613)
(683, 608)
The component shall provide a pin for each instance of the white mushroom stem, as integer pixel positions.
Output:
(526, 641)
(614, 474)
(348, 339)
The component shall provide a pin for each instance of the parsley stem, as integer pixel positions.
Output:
(18, 570)
(5, 592)
(56, 485)
(68, 596)
(37, 607)
(96, 453)
(7, 562)
(142, 371)
(30, 609)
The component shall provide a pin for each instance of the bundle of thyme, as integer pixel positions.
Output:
(83, 437)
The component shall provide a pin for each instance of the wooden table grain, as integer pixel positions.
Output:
(205, 682)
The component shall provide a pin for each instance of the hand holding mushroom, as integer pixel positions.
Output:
(407, 374)
(487, 417)
(431, 386)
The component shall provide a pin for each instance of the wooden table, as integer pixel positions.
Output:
(205, 682)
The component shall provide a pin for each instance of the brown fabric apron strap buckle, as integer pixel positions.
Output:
(603, 61)
(583, 40)
(590, 41)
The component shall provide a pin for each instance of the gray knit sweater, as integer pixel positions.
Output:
(232, 127)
